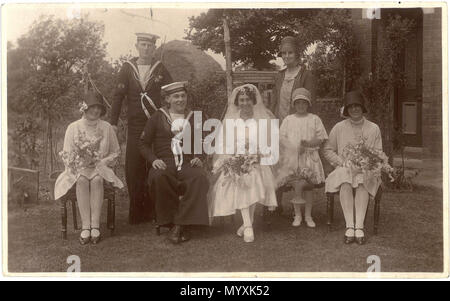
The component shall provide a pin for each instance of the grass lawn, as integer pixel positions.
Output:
(410, 239)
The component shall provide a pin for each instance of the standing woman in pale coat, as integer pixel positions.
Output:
(89, 176)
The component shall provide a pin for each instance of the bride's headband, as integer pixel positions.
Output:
(247, 90)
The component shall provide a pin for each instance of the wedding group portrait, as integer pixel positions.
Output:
(239, 141)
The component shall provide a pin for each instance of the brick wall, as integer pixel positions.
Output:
(432, 84)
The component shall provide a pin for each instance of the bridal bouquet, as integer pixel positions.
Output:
(237, 167)
(84, 154)
(361, 157)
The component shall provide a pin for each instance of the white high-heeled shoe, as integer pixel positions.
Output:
(248, 234)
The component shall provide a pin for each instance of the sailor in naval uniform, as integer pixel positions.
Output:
(177, 181)
(140, 82)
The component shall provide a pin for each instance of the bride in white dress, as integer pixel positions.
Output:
(258, 186)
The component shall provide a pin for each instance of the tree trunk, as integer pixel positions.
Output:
(33, 151)
(226, 35)
(86, 80)
(344, 79)
(46, 146)
(55, 149)
(50, 139)
(390, 128)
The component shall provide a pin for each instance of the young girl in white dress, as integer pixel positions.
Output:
(301, 135)
(226, 195)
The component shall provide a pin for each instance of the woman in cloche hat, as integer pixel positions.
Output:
(90, 148)
(344, 179)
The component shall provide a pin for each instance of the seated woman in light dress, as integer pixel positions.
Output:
(90, 148)
(346, 179)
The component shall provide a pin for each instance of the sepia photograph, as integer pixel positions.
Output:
(240, 140)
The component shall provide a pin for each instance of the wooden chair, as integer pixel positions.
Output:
(279, 195)
(285, 188)
(376, 211)
(70, 196)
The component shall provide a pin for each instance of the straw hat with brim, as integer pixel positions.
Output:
(301, 93)
(95, 99)
(353, 98)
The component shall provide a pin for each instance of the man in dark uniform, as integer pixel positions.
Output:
(176, 172)
(140, 81)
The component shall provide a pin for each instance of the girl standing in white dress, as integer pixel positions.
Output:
(301, 135)
(258, 186)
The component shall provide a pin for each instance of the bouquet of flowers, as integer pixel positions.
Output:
(237, 167)
(301, 173)
(84, 154)
(361, 157)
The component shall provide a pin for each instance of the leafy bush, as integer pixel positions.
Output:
(336, 59)
(24, 147)
(209, 96)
